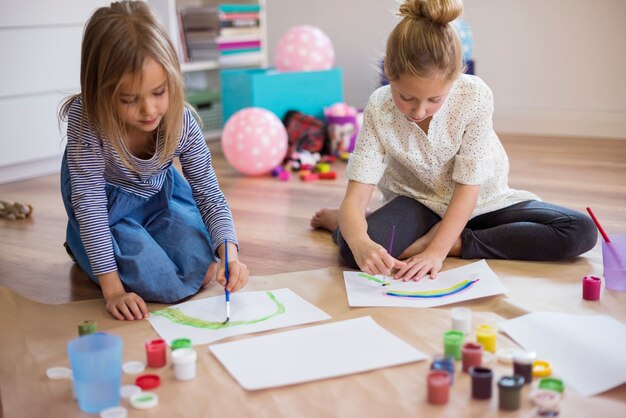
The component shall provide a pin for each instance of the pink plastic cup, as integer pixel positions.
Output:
(614, 262)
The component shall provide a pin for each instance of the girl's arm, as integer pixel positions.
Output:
(448, 231)
(119, 303)
(372, 258)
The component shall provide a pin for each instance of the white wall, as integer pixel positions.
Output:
(40, 50)
(555, 66)
(358, 30)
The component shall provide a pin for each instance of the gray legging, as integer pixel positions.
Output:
(530, 230)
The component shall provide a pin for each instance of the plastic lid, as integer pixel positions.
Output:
(133, 367)
(505, 355)
(184, 356)
(56, 373)
(511, 382)
(144, 400)
(487, 357)
(148, 381)
(524, 357)
(181, 343)
(126, 391)
(552, 383)
(545, 399)
(114, 412)
(542, 368)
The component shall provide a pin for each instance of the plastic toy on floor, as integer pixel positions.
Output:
(16, 210)
(343, 124)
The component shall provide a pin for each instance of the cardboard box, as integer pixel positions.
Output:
(305, 91)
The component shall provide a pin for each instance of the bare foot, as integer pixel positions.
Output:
(210, 275)
(327, 218)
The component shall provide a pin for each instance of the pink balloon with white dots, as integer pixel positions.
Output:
(304, 48)
(254, 141)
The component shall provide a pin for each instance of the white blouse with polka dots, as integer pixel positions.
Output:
(461, 147)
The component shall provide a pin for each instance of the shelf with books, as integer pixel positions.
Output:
(213, 34)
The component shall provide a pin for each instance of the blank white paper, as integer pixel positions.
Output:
(313, 353)
(587, 352)
(365, 292)
(270, 309)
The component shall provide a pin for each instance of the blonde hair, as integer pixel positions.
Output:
(424, 43)
(116, 41)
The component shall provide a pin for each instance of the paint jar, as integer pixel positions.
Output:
(542, 368)
(551, 383)
(509, 392)
(523, 364)
(438, 386)
(591, 287)
(452, 341)
(156, 353)
(486, 335)
(181, 343)
(546, 401)
(184, 360)
(482, 379)
(87, 327)
(461, 319)
(444, 363)
(472, 354)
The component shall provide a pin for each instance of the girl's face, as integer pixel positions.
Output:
(419, 98)
(143, 98)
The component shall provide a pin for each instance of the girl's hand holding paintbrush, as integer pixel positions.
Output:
(238, 271)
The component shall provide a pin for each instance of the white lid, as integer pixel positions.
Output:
(184, 355)
(56, 373)
(505, 355)
(544, 398)
(487, 357)
(114, 412)
(126, 391)
(460, 312)
(134, 367)
(144, 400)
(524, 357)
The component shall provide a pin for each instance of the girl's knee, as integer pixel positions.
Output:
(581, 238)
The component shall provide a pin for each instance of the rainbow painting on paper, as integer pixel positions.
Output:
(472, 281)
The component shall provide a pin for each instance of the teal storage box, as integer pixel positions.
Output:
(305, 91)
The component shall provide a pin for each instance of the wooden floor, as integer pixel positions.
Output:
(272, 217)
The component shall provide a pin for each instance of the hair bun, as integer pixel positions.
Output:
(437, 11)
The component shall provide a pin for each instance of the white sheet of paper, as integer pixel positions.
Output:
(364, 292)
(244, 306)
(587, 352)
(313, 353)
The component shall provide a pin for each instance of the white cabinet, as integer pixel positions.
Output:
(203, 74)
(40, 49)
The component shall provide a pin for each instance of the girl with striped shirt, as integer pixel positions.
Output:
(135, 226)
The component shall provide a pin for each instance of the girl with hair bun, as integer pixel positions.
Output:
(428, 144)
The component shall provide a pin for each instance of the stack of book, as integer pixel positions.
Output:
(239, 40)
(199, 29)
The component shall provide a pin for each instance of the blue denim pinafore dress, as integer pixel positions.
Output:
(161, 245)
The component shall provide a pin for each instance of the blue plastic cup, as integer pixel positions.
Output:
(96, 362)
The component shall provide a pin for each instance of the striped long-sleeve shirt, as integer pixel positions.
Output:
(93, 163)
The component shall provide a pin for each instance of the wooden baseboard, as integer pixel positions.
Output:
(30, 169)
(560, 123)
